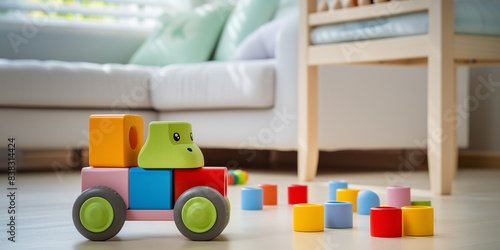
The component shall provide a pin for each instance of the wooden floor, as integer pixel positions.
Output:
(469, 219)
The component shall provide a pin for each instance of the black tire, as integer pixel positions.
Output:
(217, 200)
(119, 212)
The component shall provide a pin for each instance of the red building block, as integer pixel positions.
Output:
(386, 222)
(214, 177)
(297, 194)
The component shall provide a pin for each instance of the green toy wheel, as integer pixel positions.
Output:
(201, 213)
(99, 213)
(96, 214)
(229, 207)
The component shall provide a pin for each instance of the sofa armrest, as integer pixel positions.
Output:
(286, 63)
(285, 103)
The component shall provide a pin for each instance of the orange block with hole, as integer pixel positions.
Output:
(115, 140)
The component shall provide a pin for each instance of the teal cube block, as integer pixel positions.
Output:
(151, 188)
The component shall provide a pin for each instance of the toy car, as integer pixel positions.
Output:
(164, 180)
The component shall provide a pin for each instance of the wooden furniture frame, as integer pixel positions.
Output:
(441, 50)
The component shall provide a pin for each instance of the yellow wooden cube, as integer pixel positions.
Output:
(115, 140)
(308, 217)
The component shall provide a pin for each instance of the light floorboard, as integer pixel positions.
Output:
(468, 219)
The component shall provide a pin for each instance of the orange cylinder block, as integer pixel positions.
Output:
(270, 193)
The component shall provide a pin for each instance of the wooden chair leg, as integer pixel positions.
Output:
(442, 147)
(307, 100)
(308, 164)
(441, 122)
(308, 125)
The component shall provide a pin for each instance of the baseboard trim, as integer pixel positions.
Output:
(349, 160)
(478, 159)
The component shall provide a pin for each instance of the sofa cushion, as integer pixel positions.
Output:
(33, 83)
(185, 37)
(261, 44)
(286, 8)
(245, 18)
(214, 85)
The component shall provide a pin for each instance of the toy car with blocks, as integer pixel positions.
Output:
(162, 179)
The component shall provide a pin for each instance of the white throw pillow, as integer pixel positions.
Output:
(260, 44)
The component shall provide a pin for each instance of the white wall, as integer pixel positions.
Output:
(369, 107)
(485, 108)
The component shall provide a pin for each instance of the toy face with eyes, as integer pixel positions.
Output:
(170, 145)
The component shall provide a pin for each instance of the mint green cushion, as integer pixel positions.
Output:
(245, 18)
(185, 37)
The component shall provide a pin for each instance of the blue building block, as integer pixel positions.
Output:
(338, 214)
(151, 188)
(366, 200)
(252, 198)
(332, 189)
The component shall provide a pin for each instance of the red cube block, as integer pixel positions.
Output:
(214, 177)
(297, 194)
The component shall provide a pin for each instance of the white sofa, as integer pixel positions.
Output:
(238, 105)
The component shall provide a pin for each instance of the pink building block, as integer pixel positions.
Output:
(115, 178)
(150, 215)
(398, 196)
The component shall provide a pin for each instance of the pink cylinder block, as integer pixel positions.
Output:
(398, 196)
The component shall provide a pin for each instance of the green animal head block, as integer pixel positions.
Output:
(170, 145)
